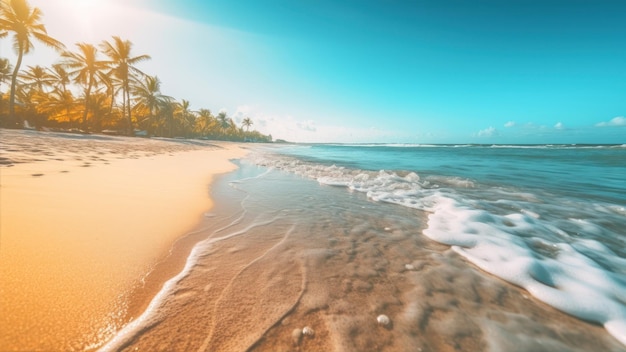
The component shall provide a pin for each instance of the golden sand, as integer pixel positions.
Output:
(263, 275)
(77, 235)
(75, 245)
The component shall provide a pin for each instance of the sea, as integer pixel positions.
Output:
(548, 218)
(451, 247)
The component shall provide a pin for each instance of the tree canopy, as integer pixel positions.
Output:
(97, 88)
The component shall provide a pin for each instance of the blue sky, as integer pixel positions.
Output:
(409, 71)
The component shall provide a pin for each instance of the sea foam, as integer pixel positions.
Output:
(553, 248)
(559, 274)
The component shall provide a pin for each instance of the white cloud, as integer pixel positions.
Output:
(559, 126)
(616, 121)
(279, 126)
(243, 110)
(488, 132)
(289, 128)
(307, 125)
(509, 124)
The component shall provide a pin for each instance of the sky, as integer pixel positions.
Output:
(376, 71)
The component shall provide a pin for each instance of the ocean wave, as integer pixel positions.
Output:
(557, 146)
(391, 145)
(502, 146)
(561, 273)
(561, 251)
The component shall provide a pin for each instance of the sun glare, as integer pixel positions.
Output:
(84, 10)
(78, 20)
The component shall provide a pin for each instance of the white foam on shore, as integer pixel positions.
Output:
(563, 276)
(553, 248)
(152, 314)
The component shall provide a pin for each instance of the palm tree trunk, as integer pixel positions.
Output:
(12, 117)
(87, 94)
(131, 128)
(124, 106)
(171, 123)
(112, 101)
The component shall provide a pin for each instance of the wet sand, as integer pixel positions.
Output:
(86, 244)
(83, 220)
(277, 262)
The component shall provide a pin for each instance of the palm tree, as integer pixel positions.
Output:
(111, 83)
(5, 71)
(247, 123)
(123, 67)
(167, 109)
(99, 107)
(17, 17)
(58, 103)
(206, 121)
(148, 97)
(223, 122)
(4, 25)
(5, 74)
(234, 131)
(186, 117)
(37, 77)
(28, 99)
(32, 91)
(85, 69)
(59, 77)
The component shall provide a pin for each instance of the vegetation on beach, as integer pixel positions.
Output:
(96, 88)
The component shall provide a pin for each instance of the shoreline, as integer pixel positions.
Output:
(85, 219)
(270, 258)
(274, 263)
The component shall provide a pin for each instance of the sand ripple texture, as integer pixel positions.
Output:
(291, 266)
(18, 146)
(78, 236)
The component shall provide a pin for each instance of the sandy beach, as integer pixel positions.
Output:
(312, 176)
(83, 220)
(124, 244)
(315, 270)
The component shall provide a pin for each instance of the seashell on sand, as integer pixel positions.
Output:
(409, 267)
(308, 331)
(383, 320)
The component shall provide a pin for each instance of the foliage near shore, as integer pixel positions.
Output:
(96, 88)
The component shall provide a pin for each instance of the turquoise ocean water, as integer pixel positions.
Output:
(413, 232)
(548, 218)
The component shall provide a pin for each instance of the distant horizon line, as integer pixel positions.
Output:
(384, 144)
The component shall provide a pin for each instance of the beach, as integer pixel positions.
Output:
(313, 270)
(420, 176)
(168, 245)
(84, 219)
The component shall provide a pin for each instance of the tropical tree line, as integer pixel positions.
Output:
(95, 88)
